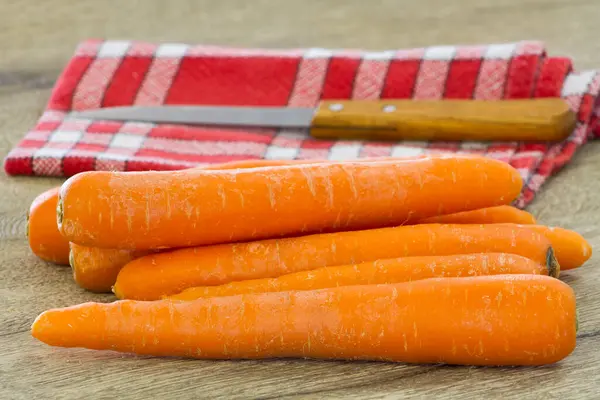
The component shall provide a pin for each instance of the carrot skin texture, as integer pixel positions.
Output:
(386, 271)
(96, 269)
(483, 320)
(153, 210)
(489, 215)
(171, 272)
(43, 235)
(570, 248)
(47, 242)
(261, 163)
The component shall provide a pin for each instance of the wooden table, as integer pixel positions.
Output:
(36, 40)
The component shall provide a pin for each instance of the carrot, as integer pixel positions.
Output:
(489, 215)
(96, 269)
(56, 243)
(482, 320)
(153, 210)
(45, 240)
(48, 243)
(261, 163)
(170, 272)
(571, 249)
(392, 270)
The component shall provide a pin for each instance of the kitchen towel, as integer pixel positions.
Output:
(116, 73)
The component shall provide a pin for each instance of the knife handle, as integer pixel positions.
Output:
(547, 119)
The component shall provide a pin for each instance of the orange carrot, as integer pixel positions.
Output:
(571, 249)
(392, 270)
(96, 269)
(48, 243)
(483, 320)
(489, 215)
(45, 240)
(170, 272)
(261, 163)
(153, 210)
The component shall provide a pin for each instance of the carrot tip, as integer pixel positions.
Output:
(552, 263)
(36, 327)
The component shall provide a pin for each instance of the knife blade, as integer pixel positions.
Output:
(547, 119)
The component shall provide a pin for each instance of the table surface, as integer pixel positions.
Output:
(36, 40)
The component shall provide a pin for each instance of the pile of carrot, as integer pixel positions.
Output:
(415, 260)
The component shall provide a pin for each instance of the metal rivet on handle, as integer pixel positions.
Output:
(389, 108)
(336, 107)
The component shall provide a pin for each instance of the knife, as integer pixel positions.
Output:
(547, 119)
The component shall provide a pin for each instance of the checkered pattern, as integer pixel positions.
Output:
(116, 73)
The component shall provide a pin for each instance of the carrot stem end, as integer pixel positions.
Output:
(552, 263)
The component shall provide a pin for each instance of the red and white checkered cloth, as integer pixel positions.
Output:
(115, 73)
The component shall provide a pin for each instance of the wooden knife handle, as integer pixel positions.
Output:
(547, 119)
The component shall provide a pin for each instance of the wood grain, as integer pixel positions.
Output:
(37, 38)
(509, 120)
